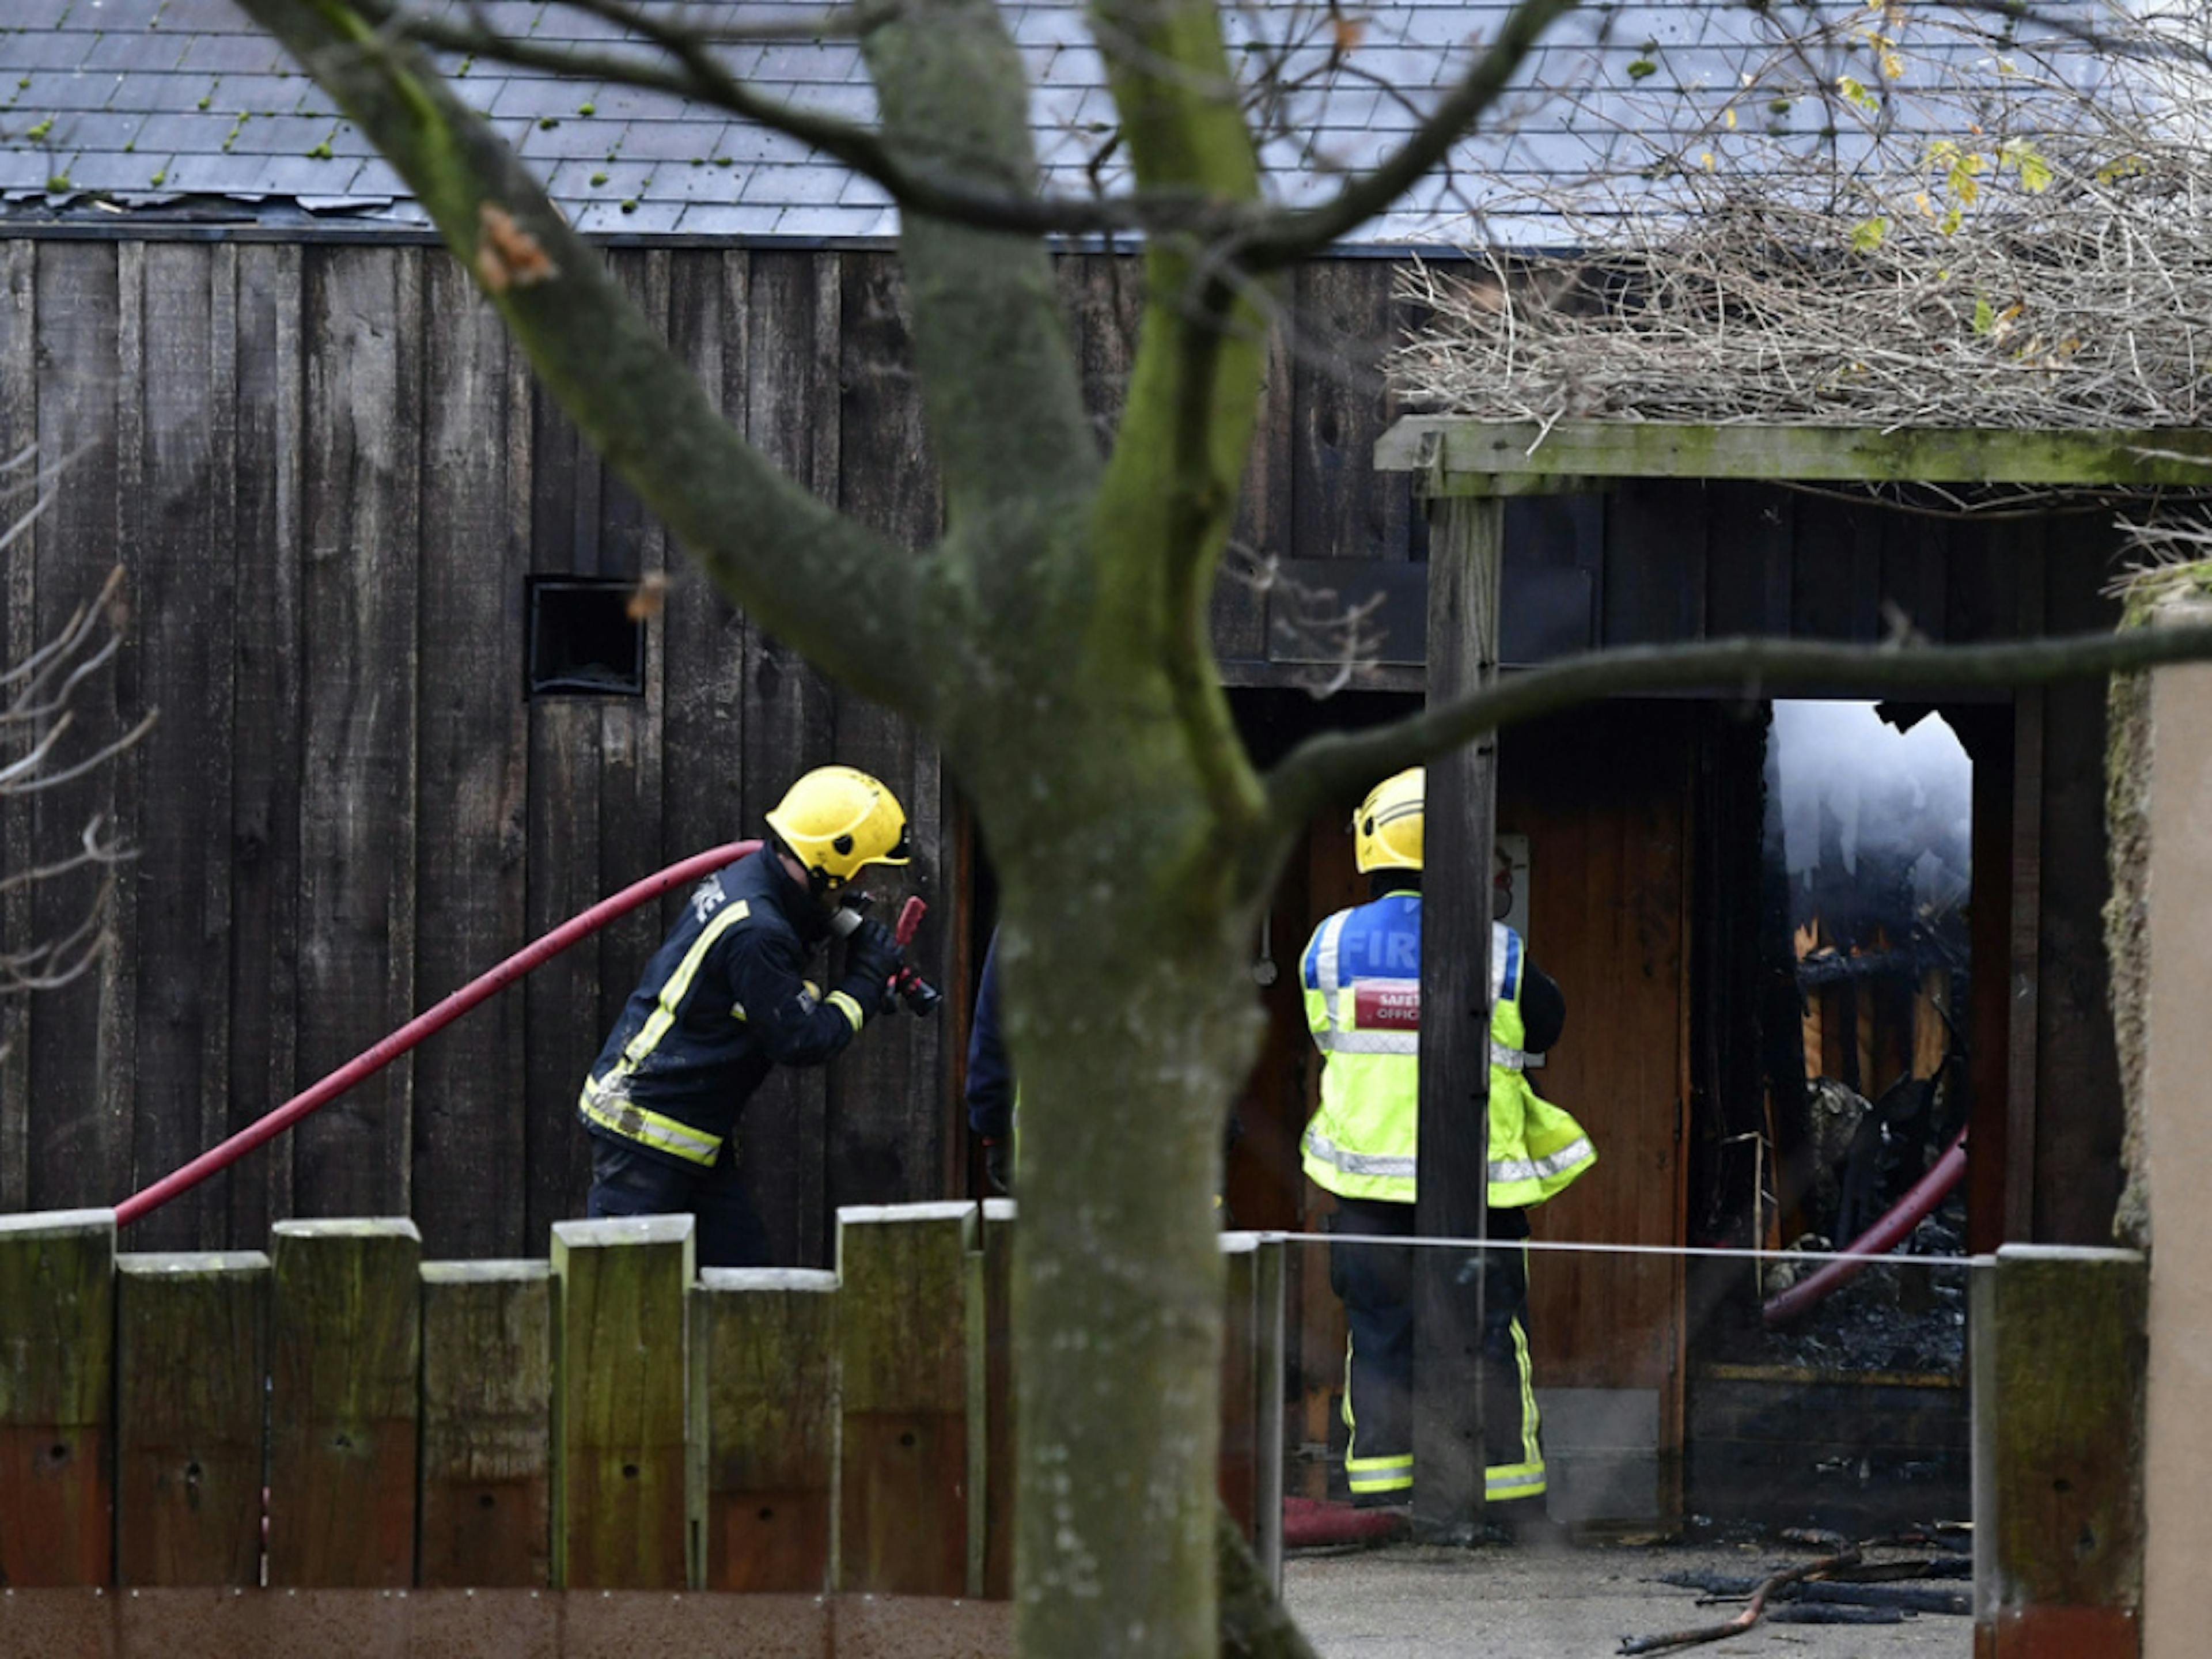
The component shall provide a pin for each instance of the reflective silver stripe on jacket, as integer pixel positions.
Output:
(1366, 1042)
(1536, 1168)
(1334, 1042)
(618, 1112)
(1358, 1164)
(1325, 963)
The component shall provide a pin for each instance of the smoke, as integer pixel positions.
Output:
(1862, 805)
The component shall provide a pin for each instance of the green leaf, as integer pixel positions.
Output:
(1642, 68)
(1985, 320)
(1866, 235)
(2029, 163)
(1856, 90)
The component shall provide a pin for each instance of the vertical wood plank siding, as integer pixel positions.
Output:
(329, 478)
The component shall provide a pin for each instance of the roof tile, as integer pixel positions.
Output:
(55, 90)
(136, 95)
(550, 139)
(231, 54)
(730, 219)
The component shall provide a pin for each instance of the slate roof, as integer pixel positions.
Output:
(180, 106)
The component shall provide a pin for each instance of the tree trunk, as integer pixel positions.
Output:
(1131, 1025)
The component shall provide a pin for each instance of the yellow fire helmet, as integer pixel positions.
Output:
(837, 820)
(1387, 834)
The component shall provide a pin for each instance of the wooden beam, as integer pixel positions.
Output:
(2056, 1335)
(1467, 552)
(902, 1343)
(998, 1430)
(621, 1508)
(1270, 1366)
(1459, 456)
(487, 1425)
(2023, 976)
(764, 1418)
(192, 1369)
(1241, 1453)
(57, 1397)
(345, 1350)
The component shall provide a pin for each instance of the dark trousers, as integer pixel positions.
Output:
(1374, 1282)
(627, 1179)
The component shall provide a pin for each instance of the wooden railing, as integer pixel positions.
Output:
(339, 1414)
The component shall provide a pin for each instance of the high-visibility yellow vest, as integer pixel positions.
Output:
(1362, 974)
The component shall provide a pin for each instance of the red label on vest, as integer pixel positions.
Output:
(1386, 1005)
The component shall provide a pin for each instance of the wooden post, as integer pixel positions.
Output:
(997, 1322)
(57, 1373)
(1465, 554)
(1240, 1454)
(764, 1408)
(344, 1350)
(621, 1509)
(1270, 1370)
(2056, 1341)
(191, 1368)
(487, 1425)
(1252, 1386)
(902, 1340)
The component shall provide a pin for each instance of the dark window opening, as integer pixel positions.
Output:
(583, 640)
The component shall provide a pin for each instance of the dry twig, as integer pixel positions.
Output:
(38, 717)
(2045, 268)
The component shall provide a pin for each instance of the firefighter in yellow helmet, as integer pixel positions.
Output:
(725, 998)
(1362, 979)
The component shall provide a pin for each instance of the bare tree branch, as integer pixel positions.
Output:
(696, 74)
(1321, 770)
(1283, 237)
(1170, 494)
(34, 724)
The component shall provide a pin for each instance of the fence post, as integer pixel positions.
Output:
(1238, 1475)
(902, 1341)
(192, 1364)
(997, 1427)
(2056, 1345)
(1270, 1362)
(344, 1352)
(621, 1503)
(57, 1374)
(764, 1417)
(487, 1425)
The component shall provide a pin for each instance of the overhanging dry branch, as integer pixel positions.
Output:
(2046, 267)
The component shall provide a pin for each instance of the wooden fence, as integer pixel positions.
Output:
(338, 1414)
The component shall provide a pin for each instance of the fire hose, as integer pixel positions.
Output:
(1878, 1240)
(906, 984)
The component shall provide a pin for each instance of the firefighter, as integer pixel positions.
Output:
(1361, 978)
(724, 999)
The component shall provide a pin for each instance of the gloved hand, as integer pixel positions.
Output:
(998, 1167)
(872, 953)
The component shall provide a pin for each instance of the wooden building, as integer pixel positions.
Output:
(357, 534)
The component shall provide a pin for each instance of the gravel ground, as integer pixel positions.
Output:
(1414, 1602)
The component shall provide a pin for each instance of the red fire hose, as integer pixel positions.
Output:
(1907, 1215)
(373, 1060)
